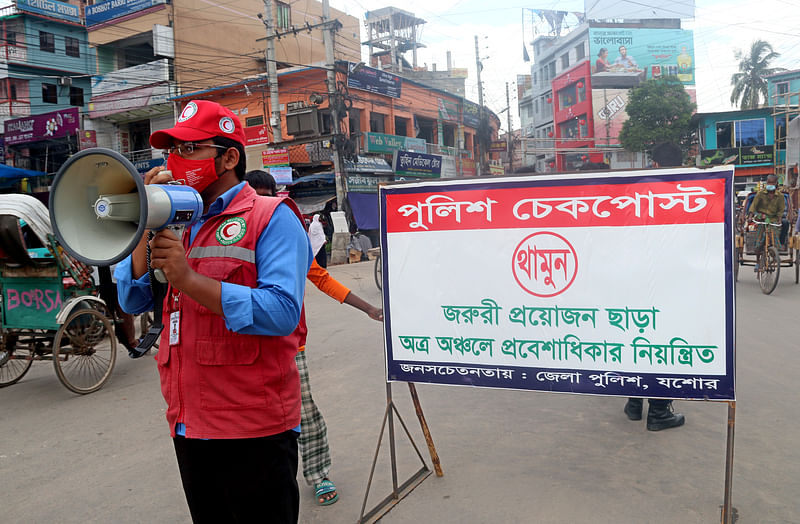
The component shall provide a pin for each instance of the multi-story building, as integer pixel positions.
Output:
(152, 51)
(45, 65)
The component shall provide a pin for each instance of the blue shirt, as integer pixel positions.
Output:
(283, 256)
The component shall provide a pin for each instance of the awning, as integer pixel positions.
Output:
(313, 204)
(365, 209)
(16, 172)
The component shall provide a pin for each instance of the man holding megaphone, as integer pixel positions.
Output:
(236, 282)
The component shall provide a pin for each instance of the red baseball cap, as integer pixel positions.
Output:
(200, 120)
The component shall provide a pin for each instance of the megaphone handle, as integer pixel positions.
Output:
(160, 276)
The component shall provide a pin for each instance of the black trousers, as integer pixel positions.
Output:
(240, 480)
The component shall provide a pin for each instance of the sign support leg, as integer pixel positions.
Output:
(437, 466)
(727, 516)
(399, 491)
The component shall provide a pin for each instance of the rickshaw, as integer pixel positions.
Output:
(50, 308)
(774, 254)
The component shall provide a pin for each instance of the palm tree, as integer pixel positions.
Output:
(749, 84)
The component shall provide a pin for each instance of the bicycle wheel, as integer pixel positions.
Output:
(797, 266)
(85, 358)
(378, 273)
(14, 361)
(771, 270)
(737, 261)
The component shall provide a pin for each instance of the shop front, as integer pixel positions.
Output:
(42, 142)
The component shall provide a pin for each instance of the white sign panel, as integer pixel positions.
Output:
(131, 77)
(608, 284)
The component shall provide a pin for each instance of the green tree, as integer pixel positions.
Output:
(749, 84)
(659, 110)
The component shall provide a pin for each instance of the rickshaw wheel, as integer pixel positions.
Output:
(378, 272)
(797, 266)
(768, 276)
(736, 263)
(14, 361)
(84, 351)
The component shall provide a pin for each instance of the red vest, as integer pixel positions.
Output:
(222, 384)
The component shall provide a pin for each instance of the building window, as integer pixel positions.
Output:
(400, 126)
(72, 46)
(741, 134)
(47, 42)
(564, 61)
(11, 37)
(377, 122)
(580, 52)
(552, 69)
(354, 121)
(75, 96)
(254, 121)
(780, 132)
(284, 15)
(49, 94)
(12, 91)
(782, 88)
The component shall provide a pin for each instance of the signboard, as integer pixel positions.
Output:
(609, 114)
(366, 183)
(417, 164)
(131, 77)
(498, 146)
(375, 81)
(120, 102)
(496, 169)
(105, 11)
(368, 164)
(448, 110)
(275, 157)
(143, 166)
(256, 135)
(56, 124)
(604, 284)
(388, 144)
(738, 156)
(87, 139)
(472, 114)
(51, 8)
(618, 53)
(281, 174)
(468, 167)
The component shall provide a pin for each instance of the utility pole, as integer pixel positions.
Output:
(508, 134)
(478, 66)
(272, 74)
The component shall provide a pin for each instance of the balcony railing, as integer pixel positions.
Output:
(15, 108)
(140, 155)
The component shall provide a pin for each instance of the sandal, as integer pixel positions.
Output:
(322, 489)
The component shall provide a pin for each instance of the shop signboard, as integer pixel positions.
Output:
(256, 135)
(362, 183)
(388, 144)
(468, 167)
(417, 164)
(609, 114)
(51, 8)
(546, 283)
(448, 110)
(281, 174)
(56, 124)
(143, 166)
(498, 146)
(375, 81)
(87, 139)
(619, 54)
(472, 114)
(738, 156)
(275, 157)
(105, 11)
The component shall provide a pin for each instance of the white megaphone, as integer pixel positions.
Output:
(100, 207)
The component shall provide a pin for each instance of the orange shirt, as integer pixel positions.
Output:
(320, 277)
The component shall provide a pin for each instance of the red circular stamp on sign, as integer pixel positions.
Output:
(545, 264)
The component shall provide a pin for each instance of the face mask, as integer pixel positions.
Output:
(770, 187)
(197, 174)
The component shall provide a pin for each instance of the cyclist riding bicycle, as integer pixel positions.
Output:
(768, 206)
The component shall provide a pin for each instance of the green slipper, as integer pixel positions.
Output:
(323, 488)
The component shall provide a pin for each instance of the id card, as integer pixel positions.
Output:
(174, 327)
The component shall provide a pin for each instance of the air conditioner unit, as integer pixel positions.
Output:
(65, 81)
(302, 122)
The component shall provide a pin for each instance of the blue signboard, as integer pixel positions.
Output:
(52, 9)
(375, 81)
(417, 164)
(105, 11)
(143, 166)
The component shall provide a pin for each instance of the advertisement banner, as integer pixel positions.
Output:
(281, 174)
(256, 135)
(609, 114)
(619, 55)
(417, 164)
(375, 81)
(498, 146)
(604, 284)
(131, 77)
(51, 8)
(87, 139)
(56, 124)
(143, 166)
(448, 110)
(275, 157)
(388, 144)
(105, 11)
(472, 114)
(738, 156)
(468, 167)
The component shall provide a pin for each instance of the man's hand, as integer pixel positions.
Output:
(157, 175)
(168, 255)
(375, 313)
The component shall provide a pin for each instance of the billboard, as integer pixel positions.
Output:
(637, 10)
(51, 8)
(111, 9)
(375, 81)
(621, 54)
(604, 284)
(56, 124)
(608, 106)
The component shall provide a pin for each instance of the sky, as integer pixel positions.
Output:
(720, 27)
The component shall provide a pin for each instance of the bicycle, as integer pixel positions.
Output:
(378, 271)
(768, 261)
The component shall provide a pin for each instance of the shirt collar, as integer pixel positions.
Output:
(223, 201)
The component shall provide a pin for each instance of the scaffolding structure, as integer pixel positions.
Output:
(393, 31)
(785, 109)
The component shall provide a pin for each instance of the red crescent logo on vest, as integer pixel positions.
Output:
(231, 231)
